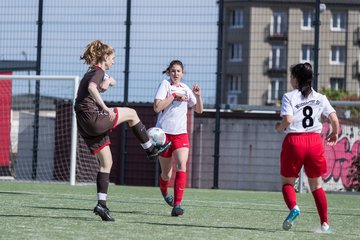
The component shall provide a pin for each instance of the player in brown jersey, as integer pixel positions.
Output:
(95, 119)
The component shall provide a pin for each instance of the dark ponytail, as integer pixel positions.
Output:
(304, 74)
(172, 63)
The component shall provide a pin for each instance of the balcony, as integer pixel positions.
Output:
(272, 68)
(271, 35)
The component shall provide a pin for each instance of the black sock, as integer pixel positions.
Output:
(139, 131)
(151, 149)
(102, 185)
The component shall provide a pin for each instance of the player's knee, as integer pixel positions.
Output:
(314, 183)
(132, 113)
(166, 177)
(107, 165)
(181, 168)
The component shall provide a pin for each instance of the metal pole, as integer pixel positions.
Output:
(37, 93)
(346, 54)
(28, 72)
(73, 136)
(301, 180)
(218, 94)
(316, 45)
(126, 90)
(200, 154)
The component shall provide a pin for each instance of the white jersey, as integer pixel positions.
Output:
(173, 119)
(306, 112)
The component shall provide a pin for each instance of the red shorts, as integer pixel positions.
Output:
(302, 149)
(177, 141)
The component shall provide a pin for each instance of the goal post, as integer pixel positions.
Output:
(20, 98)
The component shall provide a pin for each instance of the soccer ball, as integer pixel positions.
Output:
(157, 136)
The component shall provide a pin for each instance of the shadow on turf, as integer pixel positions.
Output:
(216, 227)
(46, 216)
(60, 208)
(73, 209)
(274, 210)
(192, 205)
(232, 228)
(87, 210)
(146, 213)
(16, 193)
(236, 228)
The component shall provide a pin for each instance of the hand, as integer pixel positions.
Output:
(112, 81)
(112, 114)
(106, 83)
(332, 139)
(196, 89)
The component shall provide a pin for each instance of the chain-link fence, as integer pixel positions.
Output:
(247, 65)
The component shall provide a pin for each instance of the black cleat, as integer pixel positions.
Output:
(103, 212)
(169, 199)
(177, 210)
(153, 156)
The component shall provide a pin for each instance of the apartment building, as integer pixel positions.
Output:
(262, 39)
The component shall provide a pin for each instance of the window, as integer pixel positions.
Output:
(278, 25)
(276, 89)
(237, 18)
(337, 84)
(234, 88)
(308, 19)
(235, 52)
(337, 55)
(277, 59)
(338, 21)
(234, 83)
(307, 53)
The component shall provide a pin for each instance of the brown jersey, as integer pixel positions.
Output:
(93, 122)
(84, 101)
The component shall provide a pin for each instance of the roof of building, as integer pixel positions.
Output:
(27, 102)
(17, 65)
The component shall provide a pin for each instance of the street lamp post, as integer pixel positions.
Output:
(28, 72)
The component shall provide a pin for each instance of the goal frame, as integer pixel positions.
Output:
(76, 80)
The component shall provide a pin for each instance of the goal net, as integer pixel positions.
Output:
(38, 132)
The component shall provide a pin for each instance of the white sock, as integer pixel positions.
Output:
(146, 145)
(101, 196)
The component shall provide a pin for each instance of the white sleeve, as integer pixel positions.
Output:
(327, 107)
(286, 108)
(162, 90)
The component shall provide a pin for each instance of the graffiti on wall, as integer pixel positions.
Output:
(341, 156)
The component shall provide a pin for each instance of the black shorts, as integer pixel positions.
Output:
(94, 127)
